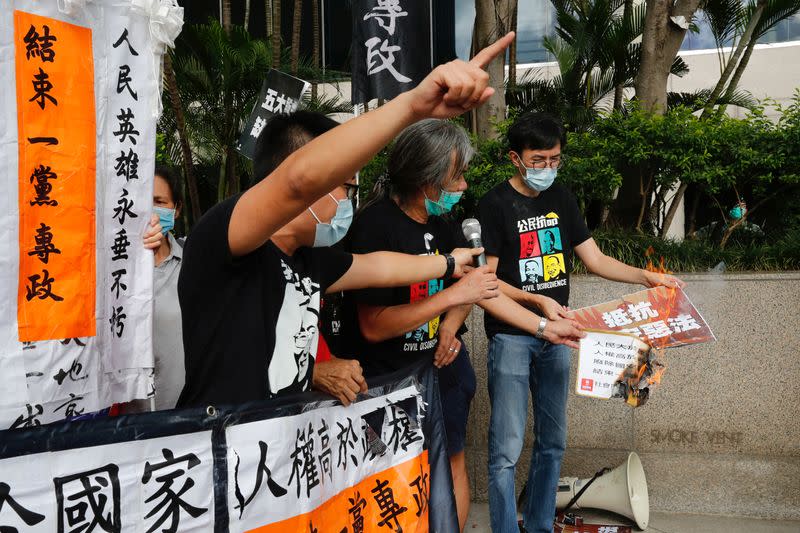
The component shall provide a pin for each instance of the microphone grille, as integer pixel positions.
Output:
(471, 228)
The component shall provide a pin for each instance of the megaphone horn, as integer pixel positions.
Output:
(622, 491)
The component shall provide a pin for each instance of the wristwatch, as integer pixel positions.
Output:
(540, 332)
(451, 266)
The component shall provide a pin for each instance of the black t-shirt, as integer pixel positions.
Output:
(384, 226)
(533, 240)
(250, 323)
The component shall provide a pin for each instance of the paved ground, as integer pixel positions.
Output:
(661, 523)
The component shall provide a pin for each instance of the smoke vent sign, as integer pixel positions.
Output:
(602, 359)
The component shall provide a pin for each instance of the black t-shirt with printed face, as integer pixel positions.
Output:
(533, 240)
(250, 323)
(384, 226)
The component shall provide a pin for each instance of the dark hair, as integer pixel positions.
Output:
(284, 134)
(536, 131)
(173, 183)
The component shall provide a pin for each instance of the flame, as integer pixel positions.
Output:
(661, 268)
(651, 369)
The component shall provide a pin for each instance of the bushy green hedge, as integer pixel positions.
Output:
(699, 255)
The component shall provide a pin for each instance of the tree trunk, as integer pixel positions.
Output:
(186, 152)
(744, 43)
(276, 34)
(691, 221)
(512, 51)
(661, 40)
(737, 76)
(673, 208)
(226, 16)
(492, 21)
(247, 15)
(297, 19)
(230, 172)
(619, 62)
(268, 15)
(315, 50)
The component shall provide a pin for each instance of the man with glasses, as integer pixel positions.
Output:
(533, 220)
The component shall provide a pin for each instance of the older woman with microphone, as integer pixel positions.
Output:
(401, 326)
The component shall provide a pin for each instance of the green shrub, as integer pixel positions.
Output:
(698, 255)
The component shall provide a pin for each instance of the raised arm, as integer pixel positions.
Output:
(332, 158)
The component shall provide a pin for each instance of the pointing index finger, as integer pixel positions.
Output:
(485, 56)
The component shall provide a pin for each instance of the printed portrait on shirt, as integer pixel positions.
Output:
(296, 334)
(554, 266)
(550, 241)
(529, 245)
(530, 270)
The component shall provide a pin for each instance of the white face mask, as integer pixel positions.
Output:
(328, 234)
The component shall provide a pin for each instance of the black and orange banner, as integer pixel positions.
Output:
(57, 154)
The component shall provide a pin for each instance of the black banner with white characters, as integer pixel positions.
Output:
(391, 50)
(280, 94)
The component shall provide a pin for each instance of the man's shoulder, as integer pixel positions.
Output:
(211, 225)
(495, 193)
(561, 190)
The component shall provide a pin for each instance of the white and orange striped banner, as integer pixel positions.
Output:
(77, 153)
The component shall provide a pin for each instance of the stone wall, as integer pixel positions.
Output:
(720, 435)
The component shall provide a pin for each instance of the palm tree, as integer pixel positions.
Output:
(219, 77)
(315, 50)
(729, 19)
(297, 19)
(226, 16)
(185, 158)
(597, 51)
(276, 33)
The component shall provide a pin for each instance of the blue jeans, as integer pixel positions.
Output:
(517, 364)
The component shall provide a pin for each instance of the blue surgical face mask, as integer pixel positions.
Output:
(447, 200)
(538, 179)
(166, 217)
(333, 232)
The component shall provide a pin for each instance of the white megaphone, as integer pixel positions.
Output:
(622, 491)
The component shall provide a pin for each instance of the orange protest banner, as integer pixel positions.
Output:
(57, 145)
(395, 499)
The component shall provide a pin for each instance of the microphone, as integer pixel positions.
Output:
(472, 232)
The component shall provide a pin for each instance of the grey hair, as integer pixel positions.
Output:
(421, 156)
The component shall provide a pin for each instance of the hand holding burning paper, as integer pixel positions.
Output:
(620, 355)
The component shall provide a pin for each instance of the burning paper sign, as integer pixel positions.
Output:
(663, 317)
(604, 359)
